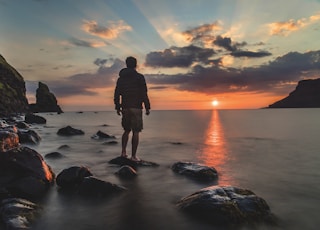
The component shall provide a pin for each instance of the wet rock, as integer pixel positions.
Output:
(8, 140)
(24, 173)
(126, 172)
(54, 155)
(110, 143)
(102, 135)
(121, 161)
(34, 119)
(64, 147)
(22, 125)
(94, 187)
(228, 206)
(69, 131)
(18, 213)
(195, 170)
(28, 136)
(72, 177)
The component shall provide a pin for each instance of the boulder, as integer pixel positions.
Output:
(126, 172)
(228, 206)
(94, 187)
(24, 173)
(69, 131)
(102, 135)
(121, 161)
(195, 170)
(28, 136)
(8, 140)
(72, 177)
(45, 101)
(31, 118)
(54, 155)
(17, 213)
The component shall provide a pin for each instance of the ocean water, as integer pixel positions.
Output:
(273, 152)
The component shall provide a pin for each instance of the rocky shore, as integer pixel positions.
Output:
(25, 178)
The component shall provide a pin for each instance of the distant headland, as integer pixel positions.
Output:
(13, 93)
(306, 95)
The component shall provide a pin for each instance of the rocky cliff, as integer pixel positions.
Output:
(12, 90)
(306, 95)
(45, 100)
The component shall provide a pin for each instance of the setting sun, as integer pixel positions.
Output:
(215, 103)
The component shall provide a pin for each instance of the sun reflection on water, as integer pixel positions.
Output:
(215, 153)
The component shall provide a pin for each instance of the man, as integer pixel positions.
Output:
(129, 96)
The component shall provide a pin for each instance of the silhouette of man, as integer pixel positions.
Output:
(129, 96)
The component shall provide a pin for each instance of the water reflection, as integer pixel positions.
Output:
(214, 152)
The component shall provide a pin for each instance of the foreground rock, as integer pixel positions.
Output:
(126, 172)
(18, 213)
(227, 206)
(8, 140)
(69, 131)
(45, 101)
(102, 135)
(121, 161)
(24, 173)
(79, 180)
(194, 170)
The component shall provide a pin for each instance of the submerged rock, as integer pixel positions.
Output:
(54, 155)
(28, 136)
(126, 172)
(69, 131)
(195, 170)
(18, 213)
(121, 161)
(34, 119)
(227, 205)
(102, 135)
(72, 177)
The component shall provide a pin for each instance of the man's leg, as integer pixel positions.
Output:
(135, 143)
(125, 138)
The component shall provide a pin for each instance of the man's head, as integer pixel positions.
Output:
(131, 62)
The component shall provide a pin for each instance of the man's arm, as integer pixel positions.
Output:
(116, 98)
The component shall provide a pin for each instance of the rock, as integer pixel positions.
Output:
(93, 187)
(121, 161)
(195, 170)
(227, 205)
(69, 131)
(22, 125)
(72, 177)
(17, 213)
(306, 95)
(34, 119)
(64, 147)
(126, 172)
(8, 140)
(54, 155)
(28, 136)
(12, 90)
(24, 173)
(45, 100)
(102, 135)
(110, 143)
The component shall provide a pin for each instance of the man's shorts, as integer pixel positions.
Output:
(132, 119)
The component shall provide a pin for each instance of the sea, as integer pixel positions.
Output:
(273, 152)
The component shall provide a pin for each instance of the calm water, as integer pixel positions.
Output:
(275, 153)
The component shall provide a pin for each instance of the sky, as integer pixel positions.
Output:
(245, 54)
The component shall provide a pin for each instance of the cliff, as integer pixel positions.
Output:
(306, 95)
(45, 100)
(12, 90)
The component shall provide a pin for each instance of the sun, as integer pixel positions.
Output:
(215, 103)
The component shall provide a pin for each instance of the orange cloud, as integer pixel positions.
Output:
(111, 31)
(284, 28)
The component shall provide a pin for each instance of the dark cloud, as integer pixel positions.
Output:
(100, 62)
(243, 53)
(79, 42)
(202, 34)
(179, 56)
(273, 77)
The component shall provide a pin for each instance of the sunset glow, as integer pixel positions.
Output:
(190, 53)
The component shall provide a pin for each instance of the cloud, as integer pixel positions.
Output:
(109, 31)
(275, 77)
(286, 27)
(227, 44)
(86, 43)
(252, 54)
(179, 56)
(85, 83)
